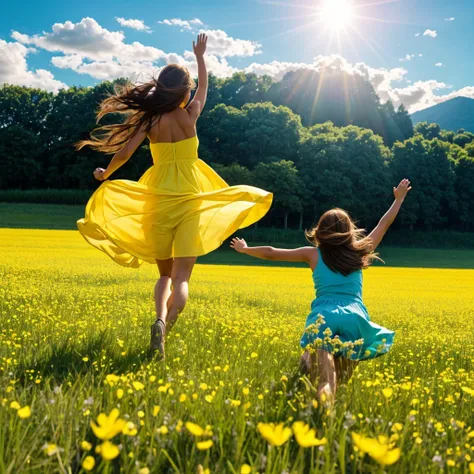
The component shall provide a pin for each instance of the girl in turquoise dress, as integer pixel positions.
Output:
(339, 332)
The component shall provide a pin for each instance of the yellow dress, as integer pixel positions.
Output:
(180, 207)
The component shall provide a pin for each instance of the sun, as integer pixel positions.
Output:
(337, 14)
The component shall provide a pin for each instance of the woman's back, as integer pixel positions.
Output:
(172, 127)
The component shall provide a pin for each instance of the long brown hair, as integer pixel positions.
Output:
(143, 104)
(344, 247)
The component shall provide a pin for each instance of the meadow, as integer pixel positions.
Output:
(79, 393)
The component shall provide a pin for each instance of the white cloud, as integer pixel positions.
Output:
(431, 33)
(275, 69)
(14, 69)
(407, 57)
(420, 55)
(88, 39)
(102, 54)
(135, 24)
(185, 25)
(439, 64)
(418, 34)
(221, 44)
(450, 19)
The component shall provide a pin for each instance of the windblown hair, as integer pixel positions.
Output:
(344, 247)
(142, 104)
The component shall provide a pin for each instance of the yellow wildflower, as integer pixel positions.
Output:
(379, 451)
(306, 436)
(88, 463)
(24, 412)
(387, 392)
(86, 446)
(108, 450)
(204, 445)
(138, 386)
(108, 426)
(276, 435)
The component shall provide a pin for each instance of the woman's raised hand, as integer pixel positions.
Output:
(238, 244)
(199, 46)
(402, 189)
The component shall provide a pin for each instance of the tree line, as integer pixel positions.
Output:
(316, 144)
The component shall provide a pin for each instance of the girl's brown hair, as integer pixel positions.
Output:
(143, 104)
(344, 247)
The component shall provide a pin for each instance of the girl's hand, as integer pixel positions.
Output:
(238, 245)
(402, 189)
(199, 47)
(99, 174)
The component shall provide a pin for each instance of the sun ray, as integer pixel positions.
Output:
(267, 20)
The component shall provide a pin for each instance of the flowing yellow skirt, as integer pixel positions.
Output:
(178, 208)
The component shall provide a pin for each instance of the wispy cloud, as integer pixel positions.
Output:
(450, 19)
(185, 25)
(133, 23)
(439, 64)
(431, 33)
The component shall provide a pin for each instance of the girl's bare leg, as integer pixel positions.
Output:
(327, 377)
(321, 366)
(345, 369)
(180, 276)
(162, 294)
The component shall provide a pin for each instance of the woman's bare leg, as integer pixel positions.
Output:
(163, 288)
(162, 294)
(181, 274)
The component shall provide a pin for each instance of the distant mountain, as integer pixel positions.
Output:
(450, 115)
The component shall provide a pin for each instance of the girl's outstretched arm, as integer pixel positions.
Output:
(302, 254)
(122, 156)
(400, 193)
(199, 100)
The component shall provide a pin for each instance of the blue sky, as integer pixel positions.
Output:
(416, 52)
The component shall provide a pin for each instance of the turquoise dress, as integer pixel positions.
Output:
(339, 321)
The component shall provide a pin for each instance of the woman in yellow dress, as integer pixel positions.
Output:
(180, 208)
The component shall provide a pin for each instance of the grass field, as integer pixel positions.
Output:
(62, 217)
(73, 348)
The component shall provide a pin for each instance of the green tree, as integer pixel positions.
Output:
(342, 98)
(403, 120)
(234, 174)
(470, 150)
(257, 133)
(345, 167)
(19, 165)
(426, 163)
(463, 139)
(447, 136)
(241, 89)
(281, 178)
(465, 192)
(24, 107)
(430, 131)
